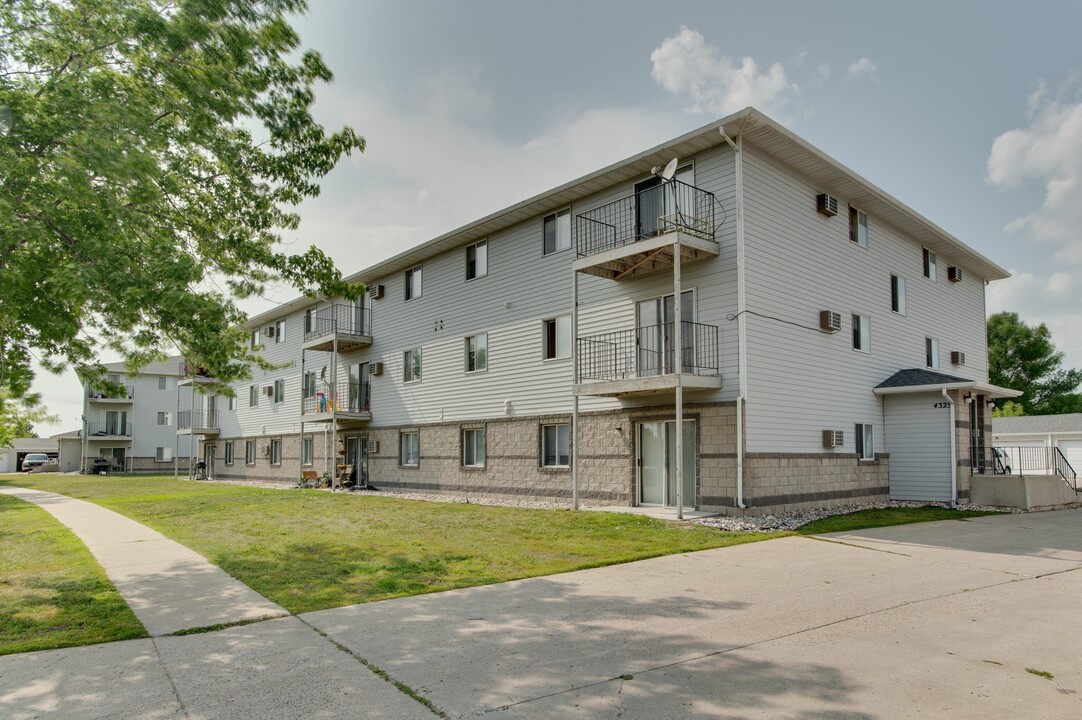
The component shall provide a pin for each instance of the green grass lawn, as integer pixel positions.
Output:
(882, 517)
(52, 592)
(308, 550)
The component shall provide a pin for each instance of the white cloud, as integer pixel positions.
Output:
(863, 68)
(686, 65)
(1052, 300)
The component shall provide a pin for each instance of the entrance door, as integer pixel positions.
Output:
(358, 388)
(208, 458)
(976, 435)
(657, 463)
(116, 423)
(116, 458)
(212, 413)
(649, 207)
(655, 338)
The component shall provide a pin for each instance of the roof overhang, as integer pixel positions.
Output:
(980, 388)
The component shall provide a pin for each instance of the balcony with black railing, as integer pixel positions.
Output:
(348, 401)
(198, 422)
(109, 430)
(193, 375)
(346, 326)
(644, 231)
(646, 360)
(124, 396)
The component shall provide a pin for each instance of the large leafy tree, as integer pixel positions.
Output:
(152, 152)
(1024, 358)
(17, 417)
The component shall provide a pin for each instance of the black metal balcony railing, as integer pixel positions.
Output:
(203, 420)
(128, 393)
(671, 206)
(1033, 460)
(344, 397)
(108, 429)
(648, 352)
(344, 319)
(192, 371)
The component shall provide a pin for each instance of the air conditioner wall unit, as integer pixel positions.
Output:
(268, 390)
(833, 438)
(377, 368)
(827, 204)
(829, 321)
(375, 291)
(954, 274)
(958, 357)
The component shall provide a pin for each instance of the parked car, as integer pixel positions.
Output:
(1001, 463)
(33, 460)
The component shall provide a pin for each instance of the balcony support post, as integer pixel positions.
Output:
(334, 407)
(191, 435)
(574, 442)
(300, 455)
(678, 351)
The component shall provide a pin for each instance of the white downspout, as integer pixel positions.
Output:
(741, 306)
(954, 451)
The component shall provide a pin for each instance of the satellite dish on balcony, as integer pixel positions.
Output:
(669, 171)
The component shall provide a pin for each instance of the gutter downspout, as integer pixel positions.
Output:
(954, 452)
(741, 306)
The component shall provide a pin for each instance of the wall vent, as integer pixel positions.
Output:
(833, 438)
(375, 291)
(958, 357)
(827, 204)
(377, 368)
(829, 321)
(954, 274)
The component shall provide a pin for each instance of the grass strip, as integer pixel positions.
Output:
(885, 517)
(53, 593)
(314, 550)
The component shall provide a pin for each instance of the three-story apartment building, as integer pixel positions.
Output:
(813, 339)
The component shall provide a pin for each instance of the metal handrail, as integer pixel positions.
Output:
(339, 318)
(648, 352)
(1039, 459)
(97, 394)
(108, 429)
(1064, 469)
(342, 397)
(672, 205)
(204, 420)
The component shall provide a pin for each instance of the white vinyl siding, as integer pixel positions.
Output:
(917, 430)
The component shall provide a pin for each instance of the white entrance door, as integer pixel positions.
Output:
(657, 463)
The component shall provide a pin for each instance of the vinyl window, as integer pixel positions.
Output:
(897, 294)
(253, 396)
(411, 365)
(163, 382)
(309, 389)
(858, 226)
(413, 283)
(862, 333)
(232, 402)
(306, 451)
(477, 260)
(557, 337)
(477, 352)
(229, 452)
(280, 331)
(865, 446)
(557, 231)
(409, 444)
(255, 339)
(931, 353)
(163, 419)
(163, 454)
(929, 264)
(249, 452)
(473, 447)
(279, 391)
(276, 452)
(555, 443)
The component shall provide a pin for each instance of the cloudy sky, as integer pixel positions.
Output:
(970, 113)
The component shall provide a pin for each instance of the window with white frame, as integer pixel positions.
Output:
(409, 444)
(862, 333)
(929, 264)
(279, 391)
(253, 395)
(477, 260)
(309, 389)
(557, 231)
(255, 339)
(306, 451)
(232, 402)
(897, 294)
(473, 447)
(163, 382)
(413, 283)
(858, 226)
(163, 454)
(228, 452)
(276, 451)
(555, 445)
(411, 365)
(249, 452)
(865, 446)
(931, 353)
(280, 331)
(476, 352)
(163, 419)
(557, 338)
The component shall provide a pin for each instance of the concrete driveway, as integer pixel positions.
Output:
(931, 620)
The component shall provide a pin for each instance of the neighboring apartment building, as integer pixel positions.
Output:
(135, 430)
(828, 345)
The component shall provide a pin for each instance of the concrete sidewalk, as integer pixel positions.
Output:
(168, 586)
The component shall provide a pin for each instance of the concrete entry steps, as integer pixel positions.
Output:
(168, 587)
